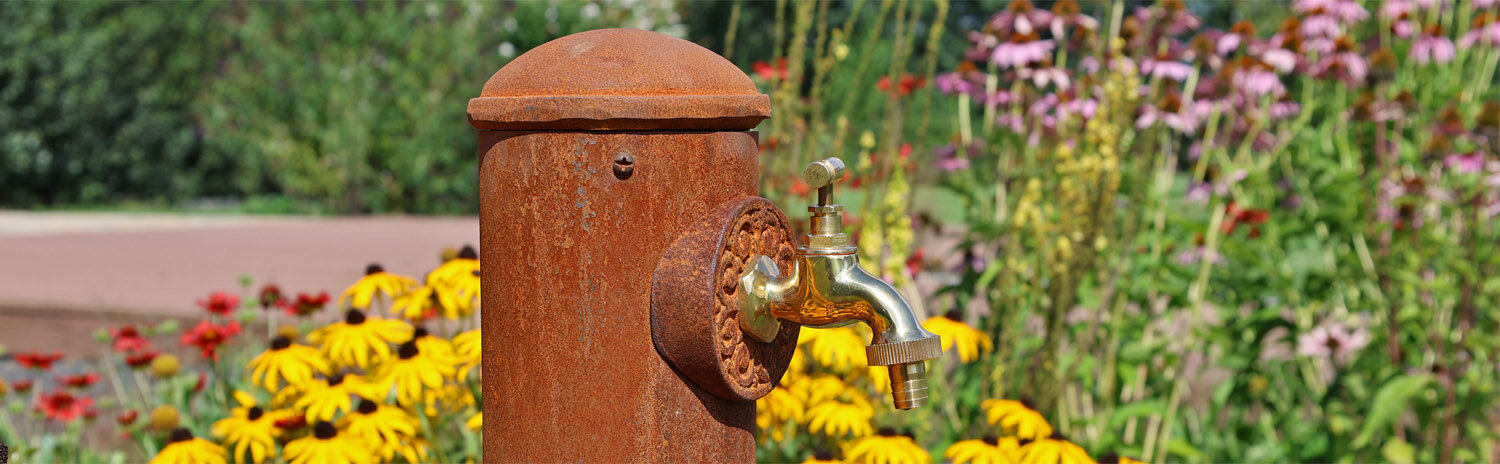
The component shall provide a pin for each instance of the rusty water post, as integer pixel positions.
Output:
(616, 165)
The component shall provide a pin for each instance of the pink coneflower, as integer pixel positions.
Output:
(1485, 30)
(1284, 108)
(1343, 64)
(1433, 47)
(1066, 14)
(1060, 106)
(1172, 16)
(1327, 18)
(1044, 74)
(1472, 162)
(1482, 4)
(1280, 59)
(948, 158)
(1169, 112)
(1398, 12)
(966, 78)
(1333, 341)
(1239, 33)
(1019, 17)
(1257, 80)
(1021, 50)
(1163, 66)
(1193, 255)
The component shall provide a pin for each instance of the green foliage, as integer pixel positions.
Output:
(95, 103)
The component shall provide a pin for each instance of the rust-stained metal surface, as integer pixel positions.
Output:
(570, 369)
(619, 79)
(694, 310)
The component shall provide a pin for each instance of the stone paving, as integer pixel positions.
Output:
(64, 275)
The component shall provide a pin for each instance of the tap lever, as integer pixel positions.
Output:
(821, 175)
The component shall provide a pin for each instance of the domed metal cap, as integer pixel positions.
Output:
(619, 79)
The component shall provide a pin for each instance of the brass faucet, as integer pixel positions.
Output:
(826, 287)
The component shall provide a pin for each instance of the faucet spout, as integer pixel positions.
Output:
(828, 288)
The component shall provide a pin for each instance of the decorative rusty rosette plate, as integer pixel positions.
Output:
(694, 315)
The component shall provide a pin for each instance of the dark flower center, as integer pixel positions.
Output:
(336, 380)
(180, 435)
(280, 343)
(887, 432)
(419, 333)
(1026, 401)
(408, 350)
(254, 413)
(468, 253)
(324, 431)
(823, 455)
(374, 268)
(990, 440)
(354, 317)
(367, 406)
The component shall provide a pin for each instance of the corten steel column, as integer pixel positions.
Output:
(603, 152)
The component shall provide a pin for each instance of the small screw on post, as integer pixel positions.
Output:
(624, 166)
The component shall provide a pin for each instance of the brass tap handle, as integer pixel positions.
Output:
(821, 175)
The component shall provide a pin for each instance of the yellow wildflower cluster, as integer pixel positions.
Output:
(361, 389)
(1026, 437)
(830, 392)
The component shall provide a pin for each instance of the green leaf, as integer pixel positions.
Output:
(1398, 451)
(1137, 409)
(1389, 403)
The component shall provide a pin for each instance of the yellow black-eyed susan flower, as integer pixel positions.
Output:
(360, 340)
(430, 343)
(774, 410)
(1017, 418)
(324, 398)
(1054, 449)
(818, 388)
(475, 421)
(251, 430)
(467, 349)
(846, 415)
(413, 371)
(327, 446)
(417, 304)
(838, 349)
(451, 398)
(989, 450)
(387, 429)
(375, 284)
(183, 448)
(886, 447)
(968, 341)
(822, 457)
(286, 360)
(459, 278)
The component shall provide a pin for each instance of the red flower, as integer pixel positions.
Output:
(128, 339)
(767, 72)
(914, 263)
(78, 381)
(905, 151)
(139, 360)
(306, 304)
(221, 303)
(37, 361)
(270, 295)
(207, 337)
(292, 422)
(22, 386)
(202, 382)
(1234, 216)
(63, 406)
(800, 187)
(904, 87)
(127, 417)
